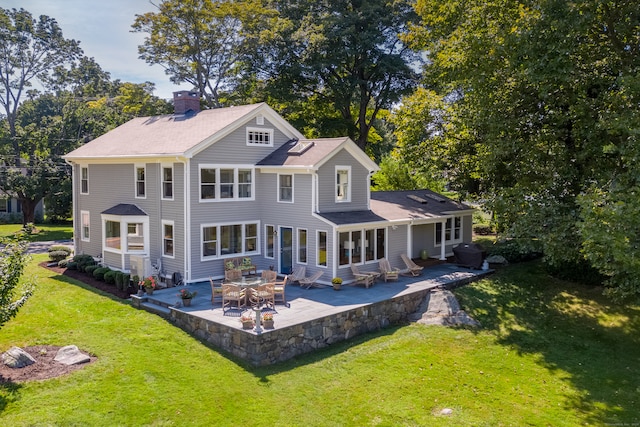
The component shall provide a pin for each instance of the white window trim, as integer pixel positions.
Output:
(219, 235)
(172, 224)
(292, 187)
(81, 179)
(135, 181)
(263, 130)
(173, 181)
(266, 241)
(348, 198)
(82, 236)
(317, 254)
(124, 220)
(450, 241)
(236, 184)
(298, 230)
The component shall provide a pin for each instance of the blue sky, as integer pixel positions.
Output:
(103, 29)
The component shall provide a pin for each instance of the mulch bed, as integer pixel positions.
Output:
(91, 281)
(44, 368)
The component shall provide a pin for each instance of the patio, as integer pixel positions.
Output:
(314, 317)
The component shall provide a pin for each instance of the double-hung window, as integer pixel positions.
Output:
(343, 184)
(302, 246)
(224, 183)
(167, 182)
(141, 185)
(167, 238)
(84, 180)
(285, 188)
(321, 250)
(84, 215)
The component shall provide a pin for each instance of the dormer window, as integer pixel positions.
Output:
(259, 136)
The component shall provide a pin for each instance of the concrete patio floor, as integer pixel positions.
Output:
(309, 304)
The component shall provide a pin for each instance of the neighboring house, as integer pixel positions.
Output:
(196, 188)
(11, 210)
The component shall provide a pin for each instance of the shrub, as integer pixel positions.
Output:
(57, 248)
(110, 277)
(83, 261)
(126, 279)
(118, 279)
(58, 255)
(483, 230)
(517, 250)
(89, 269)
(71, 265)
(64, 263)
(99, 273)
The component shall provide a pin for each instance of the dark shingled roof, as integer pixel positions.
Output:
(124, 209)
(399, 206)
(318, 150)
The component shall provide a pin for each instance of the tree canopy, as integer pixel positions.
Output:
(545, 96)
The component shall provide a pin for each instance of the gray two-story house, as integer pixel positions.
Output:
(192, 189)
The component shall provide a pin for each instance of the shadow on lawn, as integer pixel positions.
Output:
(574, 329)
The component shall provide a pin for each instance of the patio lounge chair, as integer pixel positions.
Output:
(297, 274)
(356, 272)
(364, 279)
(414, 269)
(388, 272)
(216, 292)
(308, 282)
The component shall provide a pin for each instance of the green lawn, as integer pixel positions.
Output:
(44, 232)
(549, 353)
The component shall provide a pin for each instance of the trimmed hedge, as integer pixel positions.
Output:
(99, 273)
(89, 269)
(110, 277)
(58, 256)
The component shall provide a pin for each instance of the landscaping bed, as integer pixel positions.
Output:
(89, 280)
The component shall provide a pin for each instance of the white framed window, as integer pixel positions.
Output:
(167, 239)
(125, 234)
(85, 226)
(285, 188)
(361, 246)
(84, 180)
(269, 241)
(343, 184)
(224, 240)
(140, 181)
(302, 246)
(452, 231)
(218, 183)
(167, 182)
(321, 249)
(4, 205)
(260, 136)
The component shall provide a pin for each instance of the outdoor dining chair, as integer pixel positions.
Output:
(279, 291)
(232, 295)
(216, 292)
(269, 275)
(232, 275)
(263, 294)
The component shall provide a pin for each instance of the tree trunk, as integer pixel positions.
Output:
(28, 211)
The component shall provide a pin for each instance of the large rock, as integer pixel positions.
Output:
(16, 357)
(70, 355)
(441, 307)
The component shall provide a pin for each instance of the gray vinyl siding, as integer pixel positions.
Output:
(424, 238)
(327, 184)
(110, 185)
(232, 151)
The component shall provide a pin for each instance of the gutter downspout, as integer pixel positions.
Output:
(74, 205)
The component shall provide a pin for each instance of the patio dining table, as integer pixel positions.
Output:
(248, 283)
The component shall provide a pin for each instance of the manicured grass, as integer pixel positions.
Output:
(549, 353)
(44, 232)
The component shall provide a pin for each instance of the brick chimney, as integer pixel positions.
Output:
(186, 101)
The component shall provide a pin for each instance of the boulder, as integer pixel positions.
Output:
(497, 259)
(70, 355)
(441, 307)
(16, 357)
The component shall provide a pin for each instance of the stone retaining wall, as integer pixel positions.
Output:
(277, 345)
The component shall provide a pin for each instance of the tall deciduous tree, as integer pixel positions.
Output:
(12, 262)
(344, 58)
(546, 97)
(30, 50)
(202, 42)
